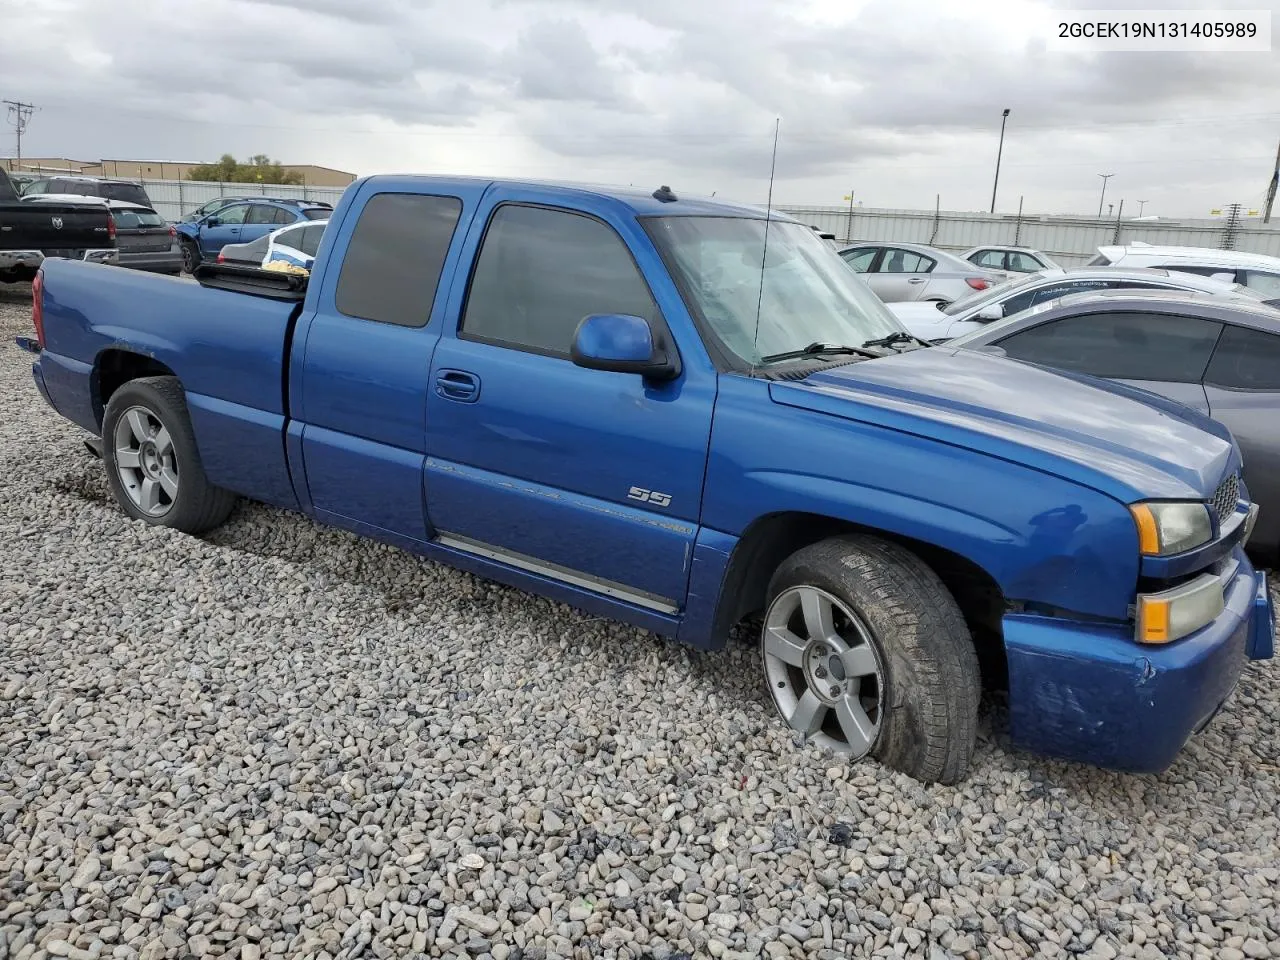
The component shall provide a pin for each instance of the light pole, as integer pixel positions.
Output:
(1141, 204)
(1004, 117)
(1105, 177)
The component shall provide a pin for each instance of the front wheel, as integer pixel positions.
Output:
(153, 467)
(866, 653)
(190, 256)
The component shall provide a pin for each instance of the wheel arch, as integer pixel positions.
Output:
(116, 366)
(770, 539)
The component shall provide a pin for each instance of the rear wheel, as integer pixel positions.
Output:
(153, 467)
(866, 653)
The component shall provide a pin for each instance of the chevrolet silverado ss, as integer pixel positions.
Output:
(687, 414)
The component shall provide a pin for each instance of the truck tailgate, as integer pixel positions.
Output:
(53, 227)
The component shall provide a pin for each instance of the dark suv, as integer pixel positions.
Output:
(91, 187)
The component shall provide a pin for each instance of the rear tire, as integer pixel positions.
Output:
(882, 620)
(153, 466)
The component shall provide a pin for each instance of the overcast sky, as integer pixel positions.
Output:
(897, 99)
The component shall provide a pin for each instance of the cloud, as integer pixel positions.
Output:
(897, 99)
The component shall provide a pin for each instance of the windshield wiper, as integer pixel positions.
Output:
(895, 338)
(817, 349)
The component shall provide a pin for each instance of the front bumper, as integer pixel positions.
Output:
(1089, 692)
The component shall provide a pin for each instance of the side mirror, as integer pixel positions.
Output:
(992, 311)
(623, 344)
(212, 222)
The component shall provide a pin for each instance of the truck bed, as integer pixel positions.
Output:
(235, 382)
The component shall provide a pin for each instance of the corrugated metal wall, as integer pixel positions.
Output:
(174, 199)
(1069, 240)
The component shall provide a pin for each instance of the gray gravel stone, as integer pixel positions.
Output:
(283, 740)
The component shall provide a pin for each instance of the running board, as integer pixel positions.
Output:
(94, 446)
(554, 571)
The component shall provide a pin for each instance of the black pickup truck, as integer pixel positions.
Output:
(30, 232)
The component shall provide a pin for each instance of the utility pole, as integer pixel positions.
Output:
(1004, 117)
(1271, 190)
(19, 116)
(1105, 177)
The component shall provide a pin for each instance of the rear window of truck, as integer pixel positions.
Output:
(393, 262)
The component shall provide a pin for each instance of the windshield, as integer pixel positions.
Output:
(128, 192)
(1001, 290)
(808, 293)
(136, 219)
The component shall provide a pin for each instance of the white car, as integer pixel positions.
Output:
(1254, 270)
(295, 245)
(937, 325)
(1009, 259)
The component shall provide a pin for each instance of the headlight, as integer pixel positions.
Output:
(1167, 528)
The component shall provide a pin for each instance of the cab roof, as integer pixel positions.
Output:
(640, 200)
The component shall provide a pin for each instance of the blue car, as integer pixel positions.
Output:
(241, 222)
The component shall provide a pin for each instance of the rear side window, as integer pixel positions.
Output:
(1099, 261)
(1191, 268)
(541, 271)
(128, 192)
(989, 258)
(1121, 346)
(261, 213)
(1246, 359)
(311, 239)
(1267, 284)
(392, 265)
(904, 261)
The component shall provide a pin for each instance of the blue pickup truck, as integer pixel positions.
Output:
(687, 414)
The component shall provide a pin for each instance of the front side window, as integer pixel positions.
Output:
(392, 265)
(232, 215)
(804, 294)
(1246, 359)
(1122, 346)
(541, 271)
(860, 260)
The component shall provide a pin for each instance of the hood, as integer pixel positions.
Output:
(1124, 442)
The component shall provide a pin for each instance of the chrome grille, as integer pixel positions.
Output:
(1225, 498)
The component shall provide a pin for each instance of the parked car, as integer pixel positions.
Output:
(241, 222)
(296, 244)
(938, 324)
(212, 206)
(623, 401)
(1218, 356)
(1009, 259)
(19, 179)
(31, 232)
(913, 271)
(102, 187)
(1255, 270)
(144, 239)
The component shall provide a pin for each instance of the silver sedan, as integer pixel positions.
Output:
(914, 271)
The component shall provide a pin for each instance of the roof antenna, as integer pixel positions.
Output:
(764, 252)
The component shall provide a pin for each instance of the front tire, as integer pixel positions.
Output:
(866, 652)
(190, 256)
(153, 466)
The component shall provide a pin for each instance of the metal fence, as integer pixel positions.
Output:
(1070, 240)
(174, 199)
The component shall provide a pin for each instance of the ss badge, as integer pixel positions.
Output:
(649, 496)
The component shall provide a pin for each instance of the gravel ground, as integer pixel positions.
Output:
(285, 740)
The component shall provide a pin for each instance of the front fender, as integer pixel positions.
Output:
(1047, 542)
